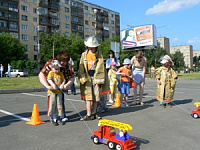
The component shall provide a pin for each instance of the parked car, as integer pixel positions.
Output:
(17, 73)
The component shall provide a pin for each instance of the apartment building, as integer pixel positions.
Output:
(164, 43)
(187, 51)
(24, 19)
(196, 53)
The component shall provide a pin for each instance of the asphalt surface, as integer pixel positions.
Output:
(154, 127)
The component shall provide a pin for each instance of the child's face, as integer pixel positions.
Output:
(126, 66)
(113, 67)
(56, 69)
(167, 65)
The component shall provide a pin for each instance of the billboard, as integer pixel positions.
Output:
(138, 37)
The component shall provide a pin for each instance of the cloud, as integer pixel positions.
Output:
(194, 40)
(168, 6)
(175, 39)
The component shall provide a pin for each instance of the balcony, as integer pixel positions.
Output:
(54, 6)
(106, 33)
(4, 17)
(3, 29)
(43, 4)
(13, 29)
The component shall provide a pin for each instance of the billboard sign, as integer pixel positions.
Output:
(141, 36)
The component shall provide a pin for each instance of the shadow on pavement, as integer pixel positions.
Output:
(138, 142)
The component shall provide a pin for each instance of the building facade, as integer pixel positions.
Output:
(164, 43)
(196, 53)
(24, 19)
(187, 51)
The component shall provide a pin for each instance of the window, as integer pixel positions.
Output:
(35, 1)
(75, 19)
(13, 25)
(34, 10)
(66, 1)
(24, 8)
(93, 23)
(86, 7)
(35, 57)
(35, 47)
(67, 34)
(87, 22)
(80, 28)
(26, 47)
(112, 22)
(113, 28)
(35, 29)
(34, 19)
(67, 26)
(66, 17)
(66, 9)
(24, 27)
(58, 15)
(94, 31)
(35, 38)
(24, 18)
(86, 15)
(24, 37)
(87, 30)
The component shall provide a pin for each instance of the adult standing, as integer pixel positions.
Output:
(63, 57)
(139, 63)
(9, 70)
(92, 76)
(111, 59)
(1, 69)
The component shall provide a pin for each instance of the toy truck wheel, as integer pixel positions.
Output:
(195, 116)
(96, 140)
(111, 145)
(118, 147)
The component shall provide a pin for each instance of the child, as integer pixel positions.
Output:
(166, 80)
(113, 81)
(125, 80)
(56, 79)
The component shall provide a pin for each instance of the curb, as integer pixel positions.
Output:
(26, 90)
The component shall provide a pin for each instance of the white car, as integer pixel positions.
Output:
(17, 73)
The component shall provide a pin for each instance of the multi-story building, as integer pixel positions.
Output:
(196, 53)
(24, 19)
(187, 51)
(164, 43)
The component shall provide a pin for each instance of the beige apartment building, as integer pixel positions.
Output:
(196, 53)
(187, 51)
(24, 19)
(164, 43)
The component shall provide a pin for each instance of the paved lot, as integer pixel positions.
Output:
(154, 127)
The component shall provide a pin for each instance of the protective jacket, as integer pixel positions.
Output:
(168, 79)
(100, 76)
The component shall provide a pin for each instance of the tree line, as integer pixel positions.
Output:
(12, 51)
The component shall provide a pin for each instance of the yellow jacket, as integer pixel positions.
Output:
(168, 79)
(100, 76)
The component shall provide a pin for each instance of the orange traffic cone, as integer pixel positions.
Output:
(35, 118)
(117, 101)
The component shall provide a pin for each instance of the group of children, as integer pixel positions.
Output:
(165, 76)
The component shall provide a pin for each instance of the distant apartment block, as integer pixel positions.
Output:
(25, 18)
(164, 43)
(187, 51)
(196, 53)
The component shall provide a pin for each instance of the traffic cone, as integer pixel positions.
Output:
(35, 118)
(117, 101)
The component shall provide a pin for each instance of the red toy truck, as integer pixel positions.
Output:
(106, 134)
(196, 113)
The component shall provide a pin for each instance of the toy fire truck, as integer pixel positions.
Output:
(196, 113)
(106, 134)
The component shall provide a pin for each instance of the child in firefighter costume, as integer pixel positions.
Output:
(166, 80)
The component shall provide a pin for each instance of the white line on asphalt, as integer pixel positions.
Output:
(16, 116)
(46, 96)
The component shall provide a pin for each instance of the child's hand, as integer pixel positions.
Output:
(61, 87)
(54, 87)
(159, 82)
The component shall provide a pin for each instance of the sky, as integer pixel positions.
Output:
(177, 20)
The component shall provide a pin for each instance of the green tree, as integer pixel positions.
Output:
(178, 60)
(11, 49)
(30, 65)
(74, 44)
(19, 64)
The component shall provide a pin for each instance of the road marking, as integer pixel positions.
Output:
(16, 116)
(67, 99)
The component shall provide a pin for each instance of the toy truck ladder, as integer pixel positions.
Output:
(115, 124)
